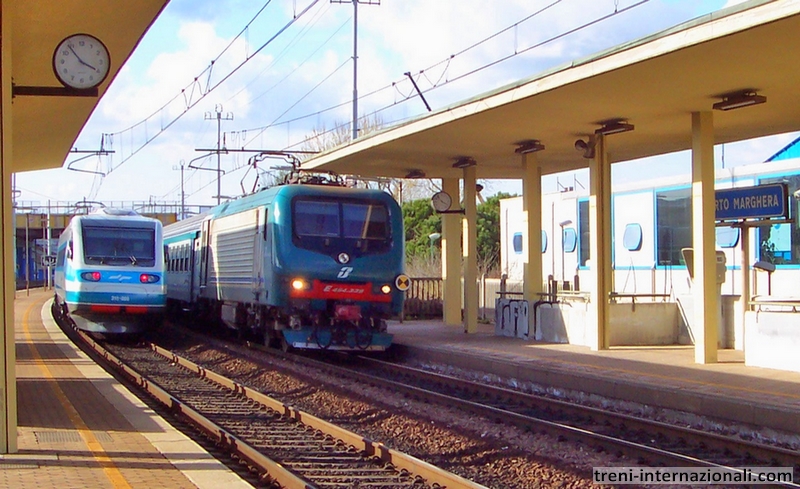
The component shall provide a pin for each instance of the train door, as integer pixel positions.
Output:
(205, 250)
(258, 254)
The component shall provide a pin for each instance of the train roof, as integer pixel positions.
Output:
(267, 196)
(187, 228)
(115, 218)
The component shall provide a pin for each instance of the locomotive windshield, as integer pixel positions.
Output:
(119, 245)
(320, 223)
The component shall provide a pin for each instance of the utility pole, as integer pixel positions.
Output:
(219, 117)
(183, 195)
(355, 56)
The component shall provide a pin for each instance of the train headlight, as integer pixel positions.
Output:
(386, 288)
(91, 276)
(299, 284)
(147, 278)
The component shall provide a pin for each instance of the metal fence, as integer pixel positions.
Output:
(424, 298)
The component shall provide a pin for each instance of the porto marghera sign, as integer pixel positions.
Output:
(759, 202)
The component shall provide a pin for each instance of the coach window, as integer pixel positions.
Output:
(780, 243)
(673, 225)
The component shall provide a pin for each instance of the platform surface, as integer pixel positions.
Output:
(80, 428)
(666, 377)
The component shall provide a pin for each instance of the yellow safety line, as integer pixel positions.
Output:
(111, 470)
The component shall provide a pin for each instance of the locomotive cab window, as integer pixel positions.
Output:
(119, 246)
(318, 224)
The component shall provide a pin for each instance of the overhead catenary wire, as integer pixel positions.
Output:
(203, 89)
(440, 83)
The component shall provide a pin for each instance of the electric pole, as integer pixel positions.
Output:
(355, 56)
(219, 117)
(183, 195)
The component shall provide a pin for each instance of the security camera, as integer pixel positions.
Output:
(586, 147)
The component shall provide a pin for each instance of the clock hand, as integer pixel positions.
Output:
(84, 63)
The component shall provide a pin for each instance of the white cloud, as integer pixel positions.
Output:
(394, 37)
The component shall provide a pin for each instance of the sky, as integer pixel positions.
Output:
(268, 74)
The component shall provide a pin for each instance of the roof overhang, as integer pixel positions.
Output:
(45, 127)
(654, 83)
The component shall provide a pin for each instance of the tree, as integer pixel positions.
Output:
(421, 221)
(489, 233)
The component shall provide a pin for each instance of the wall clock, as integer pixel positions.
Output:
(81, 61)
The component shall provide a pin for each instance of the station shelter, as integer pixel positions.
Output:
(720, 78)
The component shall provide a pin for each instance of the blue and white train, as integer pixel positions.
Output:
(110, 273)
(306, 266)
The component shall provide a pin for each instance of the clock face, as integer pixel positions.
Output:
(81, 61)
(441, 201)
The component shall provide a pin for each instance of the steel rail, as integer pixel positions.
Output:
(413, 465)
(612, 444)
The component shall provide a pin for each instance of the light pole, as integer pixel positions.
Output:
(434, 237)
(563, 224)
(355, 56)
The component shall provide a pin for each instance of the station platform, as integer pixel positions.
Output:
(78, 427)
(659, 376)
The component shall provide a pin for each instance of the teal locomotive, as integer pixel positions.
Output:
(303, 265)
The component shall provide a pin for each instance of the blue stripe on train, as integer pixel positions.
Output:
(116, 298)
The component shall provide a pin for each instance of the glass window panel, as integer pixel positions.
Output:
(584, 253)
(780, 243)
(727, 237)
(632, 237)
(517, 242)
(119, 244)
(316, 218)
(365, 221)
(544, 241)
(570, 240)
(673, 225)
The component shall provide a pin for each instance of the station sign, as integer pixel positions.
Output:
(758, 202)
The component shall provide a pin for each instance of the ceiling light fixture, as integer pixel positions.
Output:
(464, 162)
(737, 100)
(415, 173)
(614, 127)
(530, 146)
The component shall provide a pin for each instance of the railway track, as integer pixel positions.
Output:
(650, 442)
(288, 447)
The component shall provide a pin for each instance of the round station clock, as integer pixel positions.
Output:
(81, 61)
(441, 201)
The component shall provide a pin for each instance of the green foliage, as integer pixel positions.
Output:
(489, 232)
(421, 221)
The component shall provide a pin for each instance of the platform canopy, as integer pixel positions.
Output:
(654, 83)
(45, 127)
